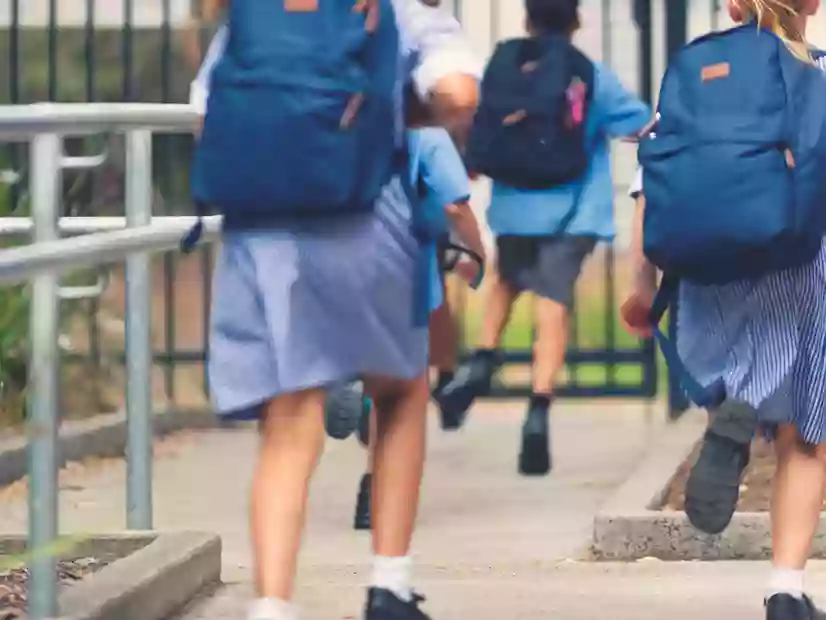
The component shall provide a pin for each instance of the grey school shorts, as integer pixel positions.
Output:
(546, 266)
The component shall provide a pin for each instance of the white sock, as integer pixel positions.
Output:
(393, 574)
(272, 609)
(785, 581)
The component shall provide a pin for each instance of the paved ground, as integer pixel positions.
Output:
(490, 544)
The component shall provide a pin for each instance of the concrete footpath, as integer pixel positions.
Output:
(490, 544)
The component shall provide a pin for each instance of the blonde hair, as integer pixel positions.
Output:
(781, 16)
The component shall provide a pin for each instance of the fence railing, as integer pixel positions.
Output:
(45, 126)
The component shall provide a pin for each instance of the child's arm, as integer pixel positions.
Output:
(445, 79)
(444, 173)
(464, 223)
(620, 113)
(199, 89)
(636, 311)
(645, 273)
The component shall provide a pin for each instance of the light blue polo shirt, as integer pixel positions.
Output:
(614, 113)
(434, 157)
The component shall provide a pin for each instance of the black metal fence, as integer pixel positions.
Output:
(51, 61)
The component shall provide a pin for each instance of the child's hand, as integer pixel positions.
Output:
(636, 311)
(468, 270)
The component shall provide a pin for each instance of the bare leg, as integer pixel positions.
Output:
(551, 320)
(399, 451)
(797, 498)
(444, 338)
(444, 345)
(371, 457)
(292, 440)
(551, 341)
(500, 300)
(473, 378)
(795, 513)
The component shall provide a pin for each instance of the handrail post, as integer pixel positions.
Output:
(42, 389)
(139, 336)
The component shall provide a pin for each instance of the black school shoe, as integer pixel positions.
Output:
(535, 454)
(472, 379)
(452, 418)
(788, 607)
(713, 486)
(362, 519)
(384, 605)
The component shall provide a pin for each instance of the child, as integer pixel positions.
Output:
(765, 337)
(543, 237)
(437, 169)
(298, 309)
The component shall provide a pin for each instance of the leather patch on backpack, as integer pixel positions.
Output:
(300, 6)
(715, 72)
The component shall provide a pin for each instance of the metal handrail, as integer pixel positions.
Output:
(71, 225)
(23, 122)
(45, 125)
(65, 255)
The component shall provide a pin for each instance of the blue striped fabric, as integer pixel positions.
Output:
(767, 340)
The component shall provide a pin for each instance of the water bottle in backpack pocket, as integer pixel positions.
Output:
(530, 129)
(301, 117)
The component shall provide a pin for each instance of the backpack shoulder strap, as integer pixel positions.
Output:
(666, 297)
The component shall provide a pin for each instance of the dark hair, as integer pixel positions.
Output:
(553, 16)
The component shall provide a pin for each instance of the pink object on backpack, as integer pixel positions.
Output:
(576, 102)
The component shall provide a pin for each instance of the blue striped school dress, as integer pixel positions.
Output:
(766, 338)
(320, 303)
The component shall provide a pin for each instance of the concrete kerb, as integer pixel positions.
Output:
(102, 435)
(157, 574)
(632, 526)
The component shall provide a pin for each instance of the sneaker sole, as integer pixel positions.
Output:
(712, 491)
(342, 413)
(535, 456)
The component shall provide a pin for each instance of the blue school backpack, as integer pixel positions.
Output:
(530, 129)
(734, 171)
(301, 120)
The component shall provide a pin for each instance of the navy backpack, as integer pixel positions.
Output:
(734, 171)
(530, 129)
(301, 118)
